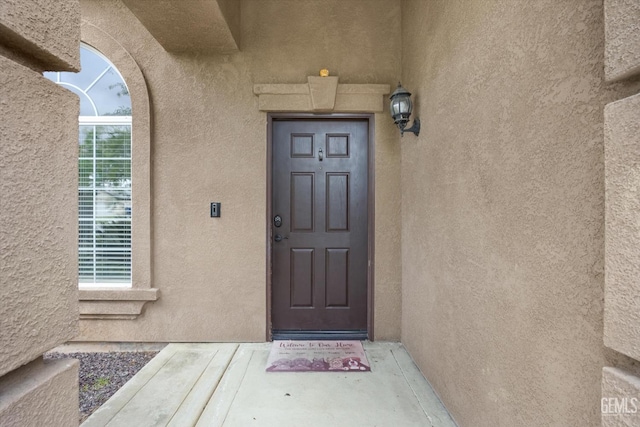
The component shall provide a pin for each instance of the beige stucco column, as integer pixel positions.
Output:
(621, 389)
(38, 223)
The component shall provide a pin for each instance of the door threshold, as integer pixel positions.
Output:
(286, 335)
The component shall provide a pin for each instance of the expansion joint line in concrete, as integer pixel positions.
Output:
(404, 375)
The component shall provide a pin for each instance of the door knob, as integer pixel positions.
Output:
(279, 238)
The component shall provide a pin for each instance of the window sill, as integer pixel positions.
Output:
(114, 304)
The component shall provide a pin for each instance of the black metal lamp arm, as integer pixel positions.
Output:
(415, 128)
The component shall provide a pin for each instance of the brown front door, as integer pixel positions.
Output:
(319, 226)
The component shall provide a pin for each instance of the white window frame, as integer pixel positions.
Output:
(109, 121)
(127, 303)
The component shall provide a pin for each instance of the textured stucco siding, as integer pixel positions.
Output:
(622, 39)
(622, 226)
(620, 403)
(42, 34)
(38, 215)
(503, 207)
(209, 143)
(40, 394)
(38, 225)
(207, 30)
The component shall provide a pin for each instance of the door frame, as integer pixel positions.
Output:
(370, 118)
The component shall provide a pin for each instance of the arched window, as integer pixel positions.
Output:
(104, 165)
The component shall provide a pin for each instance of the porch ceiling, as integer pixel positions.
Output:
(206, 26)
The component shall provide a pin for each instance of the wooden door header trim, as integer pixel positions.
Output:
(321, 94)
(314, 116)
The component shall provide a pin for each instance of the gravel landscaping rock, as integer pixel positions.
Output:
(102, 374)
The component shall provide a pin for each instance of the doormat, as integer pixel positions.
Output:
(317, 356)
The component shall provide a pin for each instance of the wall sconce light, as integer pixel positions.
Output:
(401, 109)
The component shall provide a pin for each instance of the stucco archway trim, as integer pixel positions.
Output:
(127, 303)
(321, 94)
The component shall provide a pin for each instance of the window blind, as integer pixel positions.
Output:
(104, 204)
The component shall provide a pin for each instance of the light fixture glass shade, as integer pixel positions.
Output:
(401, 109)
(401, 105)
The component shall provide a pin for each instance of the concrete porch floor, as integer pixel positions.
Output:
(226, 385)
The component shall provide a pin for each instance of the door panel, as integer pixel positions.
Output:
(320, 252)
(337, 274)
(337, 198)
(302, 202)
(302, 277)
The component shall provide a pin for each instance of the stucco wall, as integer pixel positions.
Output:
(503, 207)
(209, 144)
(38, 290)
(42, 393)
(38, 223)
(622, 235)
(622, 38)
(622, 199)
(41, 34)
